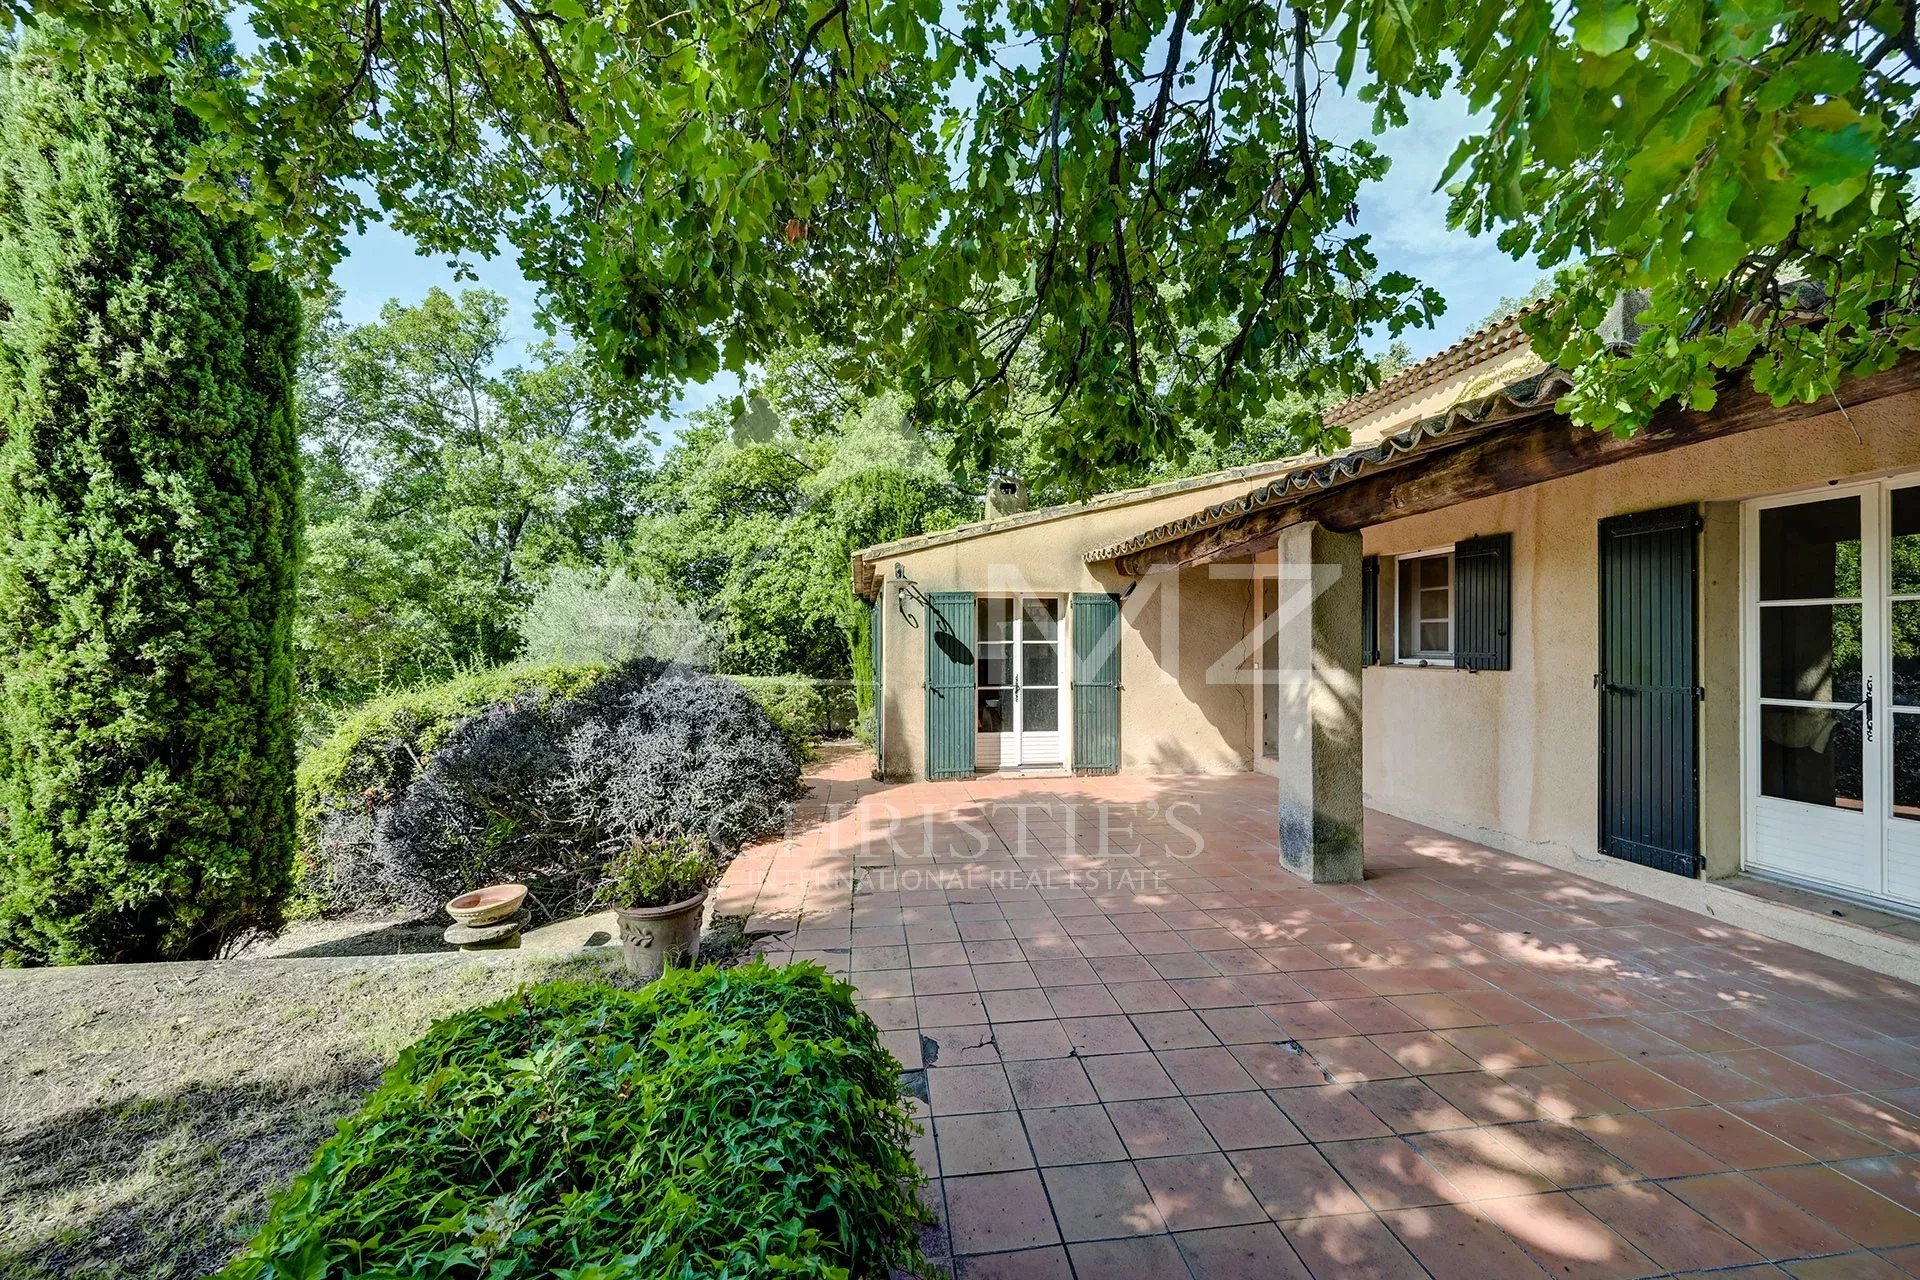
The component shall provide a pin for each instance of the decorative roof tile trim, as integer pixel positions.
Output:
(1490, 342)
(1526, 398)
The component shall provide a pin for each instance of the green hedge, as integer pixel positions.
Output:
(718, 1123)
(805, 709)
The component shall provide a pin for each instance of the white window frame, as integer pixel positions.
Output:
(1401, 659)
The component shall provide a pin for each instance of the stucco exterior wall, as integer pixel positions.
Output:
(1510, 758)
(1177, 714)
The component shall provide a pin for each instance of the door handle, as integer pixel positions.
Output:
(1866, 704)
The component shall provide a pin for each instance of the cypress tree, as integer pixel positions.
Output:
(148, 532)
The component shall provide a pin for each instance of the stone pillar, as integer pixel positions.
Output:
(1318, 670)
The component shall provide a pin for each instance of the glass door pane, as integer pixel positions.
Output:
(993, 678)
(1039, 680)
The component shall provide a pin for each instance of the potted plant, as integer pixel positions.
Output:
(657, 889)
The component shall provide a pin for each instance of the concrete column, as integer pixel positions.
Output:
(1318, 626)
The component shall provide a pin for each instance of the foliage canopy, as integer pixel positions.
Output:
(1128, 209)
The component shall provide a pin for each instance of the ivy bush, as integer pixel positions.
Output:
(719, 1123)
(542, 787)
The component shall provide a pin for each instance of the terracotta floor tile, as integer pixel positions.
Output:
(1179, 1029)
(1349, 1059)
(1194, 1192)
(1850, 1069)
(1907, 1260)
(1763, 1221)
(1370, 1015)
(1101, 1201)
(997, 1211)
(1022, 1040)
(1389, 1173)
(1873, 1116)
(1072, 1135)
(1160, 1127)
(1561, 1042)
(1408, 1106)
(1562, 1151)
(1147, 1258)
(1642, 1143)
(1728, 1138)
(1424, 1053)
(1635, 1085)
(985, 1142)
(1691, 1033)
(1328, 1113)
(1844, 1266)
(1856, 1210)
(1239, 1120)
(1566, 1240)
(1455, 1242)
(1093, 1036)
(1255, 1251)
(1664, 1228)
(1278, 1066)
(1494, 1048)
(1562, 1094)
(1785, 1077)
(1820, 1136)
(1895, 1177)
(1484, 1097)
(1241, 1025)
(1295, 1182)
(1310, 1020)
(1049, 1082)
(1481, 1163)
(1355, 1246)
(1711, 1079)
(1028, 1264)
(1082, 1002)
(1437, 1012)
(1123, 1077)
(955, 1090)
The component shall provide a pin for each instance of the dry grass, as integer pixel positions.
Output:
(148, 1112)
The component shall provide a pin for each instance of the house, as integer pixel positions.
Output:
(1691, 653)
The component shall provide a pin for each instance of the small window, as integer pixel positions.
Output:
(1423, 627)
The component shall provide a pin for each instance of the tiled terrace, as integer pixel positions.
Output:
(1144, 1059)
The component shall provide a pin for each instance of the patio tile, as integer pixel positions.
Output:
(997, 1211)
(1295, 1182)
(958, 1046)
(1663, 1228)
(1328, 1113)
(1179, 1029)
(1085, 1001)
(1354, 1246)
(1255, 1251)
(1565, 1239)
(1389, 1173)
(1642, 1143)
(1348, 1059)
(958, 1090)
(1241, 1120)
(1728, 1138)
(1028, 1264)
(1845, 1266)
(1456, 1243)
(1895, 1177)
(1149, 1258)
(1093, 1036)
(1243, 1025)
(1194, 1192)
(1072, 1135)
(1856, 1210)
(1278, 1066)
(1022, 1040)
(986, 1142)
(1635, 1085)
(951, 1011)
(1755, 1216)
(1408, 1106)
(1423, 1052)
(1483, 1097)
(1122, 1077)
(1159, 1127)
(1020, 1004)
(1101, 1201)
(1049, 1082)
(1210, 1070)
(1820, 1136)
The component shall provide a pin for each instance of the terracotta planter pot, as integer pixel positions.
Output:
(487, 906)
(654, 938)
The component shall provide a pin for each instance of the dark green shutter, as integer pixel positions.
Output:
(1369, 611)
(877, 656)
(1649, 713)
(1096, 683)
(1483, 603)
(950, 684)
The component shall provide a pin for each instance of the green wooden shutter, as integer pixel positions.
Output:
(1096, 683)
(1483, 603)
(950, 684)
(877, 655)
(1369, 611)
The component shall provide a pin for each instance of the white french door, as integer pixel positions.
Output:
(1833, 687)
(1017, 656)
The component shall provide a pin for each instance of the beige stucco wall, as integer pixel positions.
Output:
(1177, 715)
(1510, 757)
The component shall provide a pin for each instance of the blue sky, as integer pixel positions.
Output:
(1405, 216)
